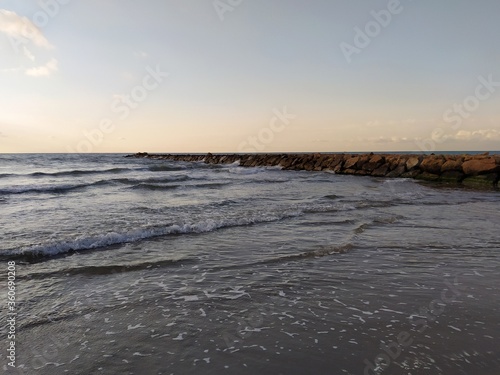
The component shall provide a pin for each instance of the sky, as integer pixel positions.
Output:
(249, 75)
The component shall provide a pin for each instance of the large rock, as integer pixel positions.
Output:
(325, 162)
(362, 161)
(374, 162)
(308, 166)
(398, 172)
(377, 159)
(451, 165)
(432, 164)
(480, 166)
(338, 168)
(350, 163)
(392, 161)
(381, 171)
(285, 162)
(412, 162)
(338, 161)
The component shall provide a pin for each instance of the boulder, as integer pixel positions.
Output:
(308, 166)
(338, 168)
(351, 162)
(413, 162)
(381, 171)
(286, 162)
(327, 161)
(478, 166)
(432, 164)
(349, 171)
(361, 172)
(397, 172)
(362, 161)
(377, 159)
(374, 162)
(451, 165)
(337, 160)
(392, 161)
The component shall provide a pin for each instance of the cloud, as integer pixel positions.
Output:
(11, 70)
(476, 135)
(482, 135)
(21, 30)
(44, 70)
(390, 139)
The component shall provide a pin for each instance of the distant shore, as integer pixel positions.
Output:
(482, 171)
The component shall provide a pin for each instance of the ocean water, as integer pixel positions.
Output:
(136, 266)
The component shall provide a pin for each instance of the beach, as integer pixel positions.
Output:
(157, 265)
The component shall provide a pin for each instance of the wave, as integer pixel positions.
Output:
(33, 253)
(317, 253)
(160, 180)
(147, 186)
(144, 186)
(82, 172)
(210, 185)
(55, 189)
(110, 269)
(320, 252)
(332, 197)
(76, 172)
(153, 183)
(166, 168)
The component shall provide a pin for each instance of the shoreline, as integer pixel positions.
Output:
(478, 171)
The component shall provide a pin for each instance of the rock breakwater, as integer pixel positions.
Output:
(469, 170)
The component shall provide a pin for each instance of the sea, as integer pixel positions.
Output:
(140, 266)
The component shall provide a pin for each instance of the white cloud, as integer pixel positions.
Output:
(476, 135)
(21, 30)
(44, 70)
(21, 33)
(389, 139)
(11, 70)
(482, 135)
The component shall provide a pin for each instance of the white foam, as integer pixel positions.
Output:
(113, 238)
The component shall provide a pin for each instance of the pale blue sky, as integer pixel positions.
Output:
(233, 68)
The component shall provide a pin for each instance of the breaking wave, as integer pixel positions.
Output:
(104, 240)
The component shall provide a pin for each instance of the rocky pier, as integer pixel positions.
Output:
(468, 170)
